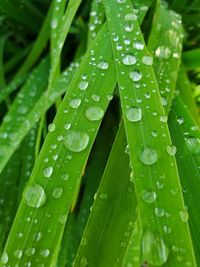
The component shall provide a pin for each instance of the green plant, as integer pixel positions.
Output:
(107, 174)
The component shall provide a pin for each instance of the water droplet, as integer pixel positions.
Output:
(103, 65)
(167, 229)
(67, 126)
(163, 118)
(75, 103)
(34, 196)
(171, 150)
(18, 253)
(76, 141)
(96, 98)
(129, 60)
(84, 262)
(135, 75)
(134, 114)
(193, 144)
(184, 216)
(54, 23)
(163, 52)
(30, 252)
(148, 156)
(94, 113)
(147, 60)
(154, 249)
(130, 16)
(128, 27)
(159, 212)
(83, 85)
(149, 196)
(45, 253)
(57, 192)
(138, 46)
(65, 176)
(51, 127)
(47, 172)
(4, 258)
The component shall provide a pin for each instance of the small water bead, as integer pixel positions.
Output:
(171, 150)
(135, 75)
(51, 127)
(54, 23)
(134, 114)
(75, 103)
(193, 144)
(65, 176)
(129, 60)
(57, 192)
(76, 141)
(103, 65)
(154, 249)
(94, 113)
(45, 253)
(163, 52)
(159, 212)
(47, 172)
(83, 85)
(128, 27)
(148, 156)
(83, 262)
(96, 98)
(163, 118)
(30, 252)
(149, 196)
(34, 196)
(167, 229)
(130, 17)
(184, 216)
(4, 258)
(147, 60)
(67, 126)
(138, 45)
(180, 120)
(18, 253)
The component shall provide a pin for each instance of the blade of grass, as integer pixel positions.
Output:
(71, 155)
(146, 152)
(191, 59)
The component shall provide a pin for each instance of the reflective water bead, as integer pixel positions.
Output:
(29, 252)
(96, 98)
(57, 192)
(193, 144)
(154, 249)
(45, 253)
(4, 257)
(129, 60)
(147, 60)
(76, 141)
(94, 113)
(138, 45)
(65, 176)
(184, 215)
(163, 52)
(103, 65)
(67, 126)
(149, 196)
(54, 23)
(47, 172)
(148, 156)
(159, 212)
(83, 85)
(171, 150)
(34, 196)
(75, 103)
(130, 16)
(134, 114)
(135, 75)
(163, 118)
(51, 127)
(128, 27)
(18, 253)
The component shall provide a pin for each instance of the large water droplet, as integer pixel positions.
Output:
(75, 103)
(103, 65)
(147, 60)
(193, 144)
(129, 60)
(51, 127)
(149, 196)
(154, 249)
(171, 150)
(83, 85)
(135, 75)
(47, 172)
(94, 113)
(76, 141)
(4, 258)
(134, 114)
(138, 46)
(34, 196)
(148, 156)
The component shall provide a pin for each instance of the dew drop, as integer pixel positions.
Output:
(4, 258)
(128, 27)
(130, 17)
(51, 127)
(159, 212)
(154, 249)
(135, 75)
(83, 85)
(45, 253)
(148, 156)
(134, 114)
(30, 252)
(47, 172)
(18, 253)
(76, 141)
(147, 60)
(34, 196)
(149, 196)
(193, 144)
(57, 192)
(163, 52)
(138, 46)
(103, 65)
(96, 98)
(75, 103)
(184, 216)
(94, 113)
(171, 150)
(129, 60)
